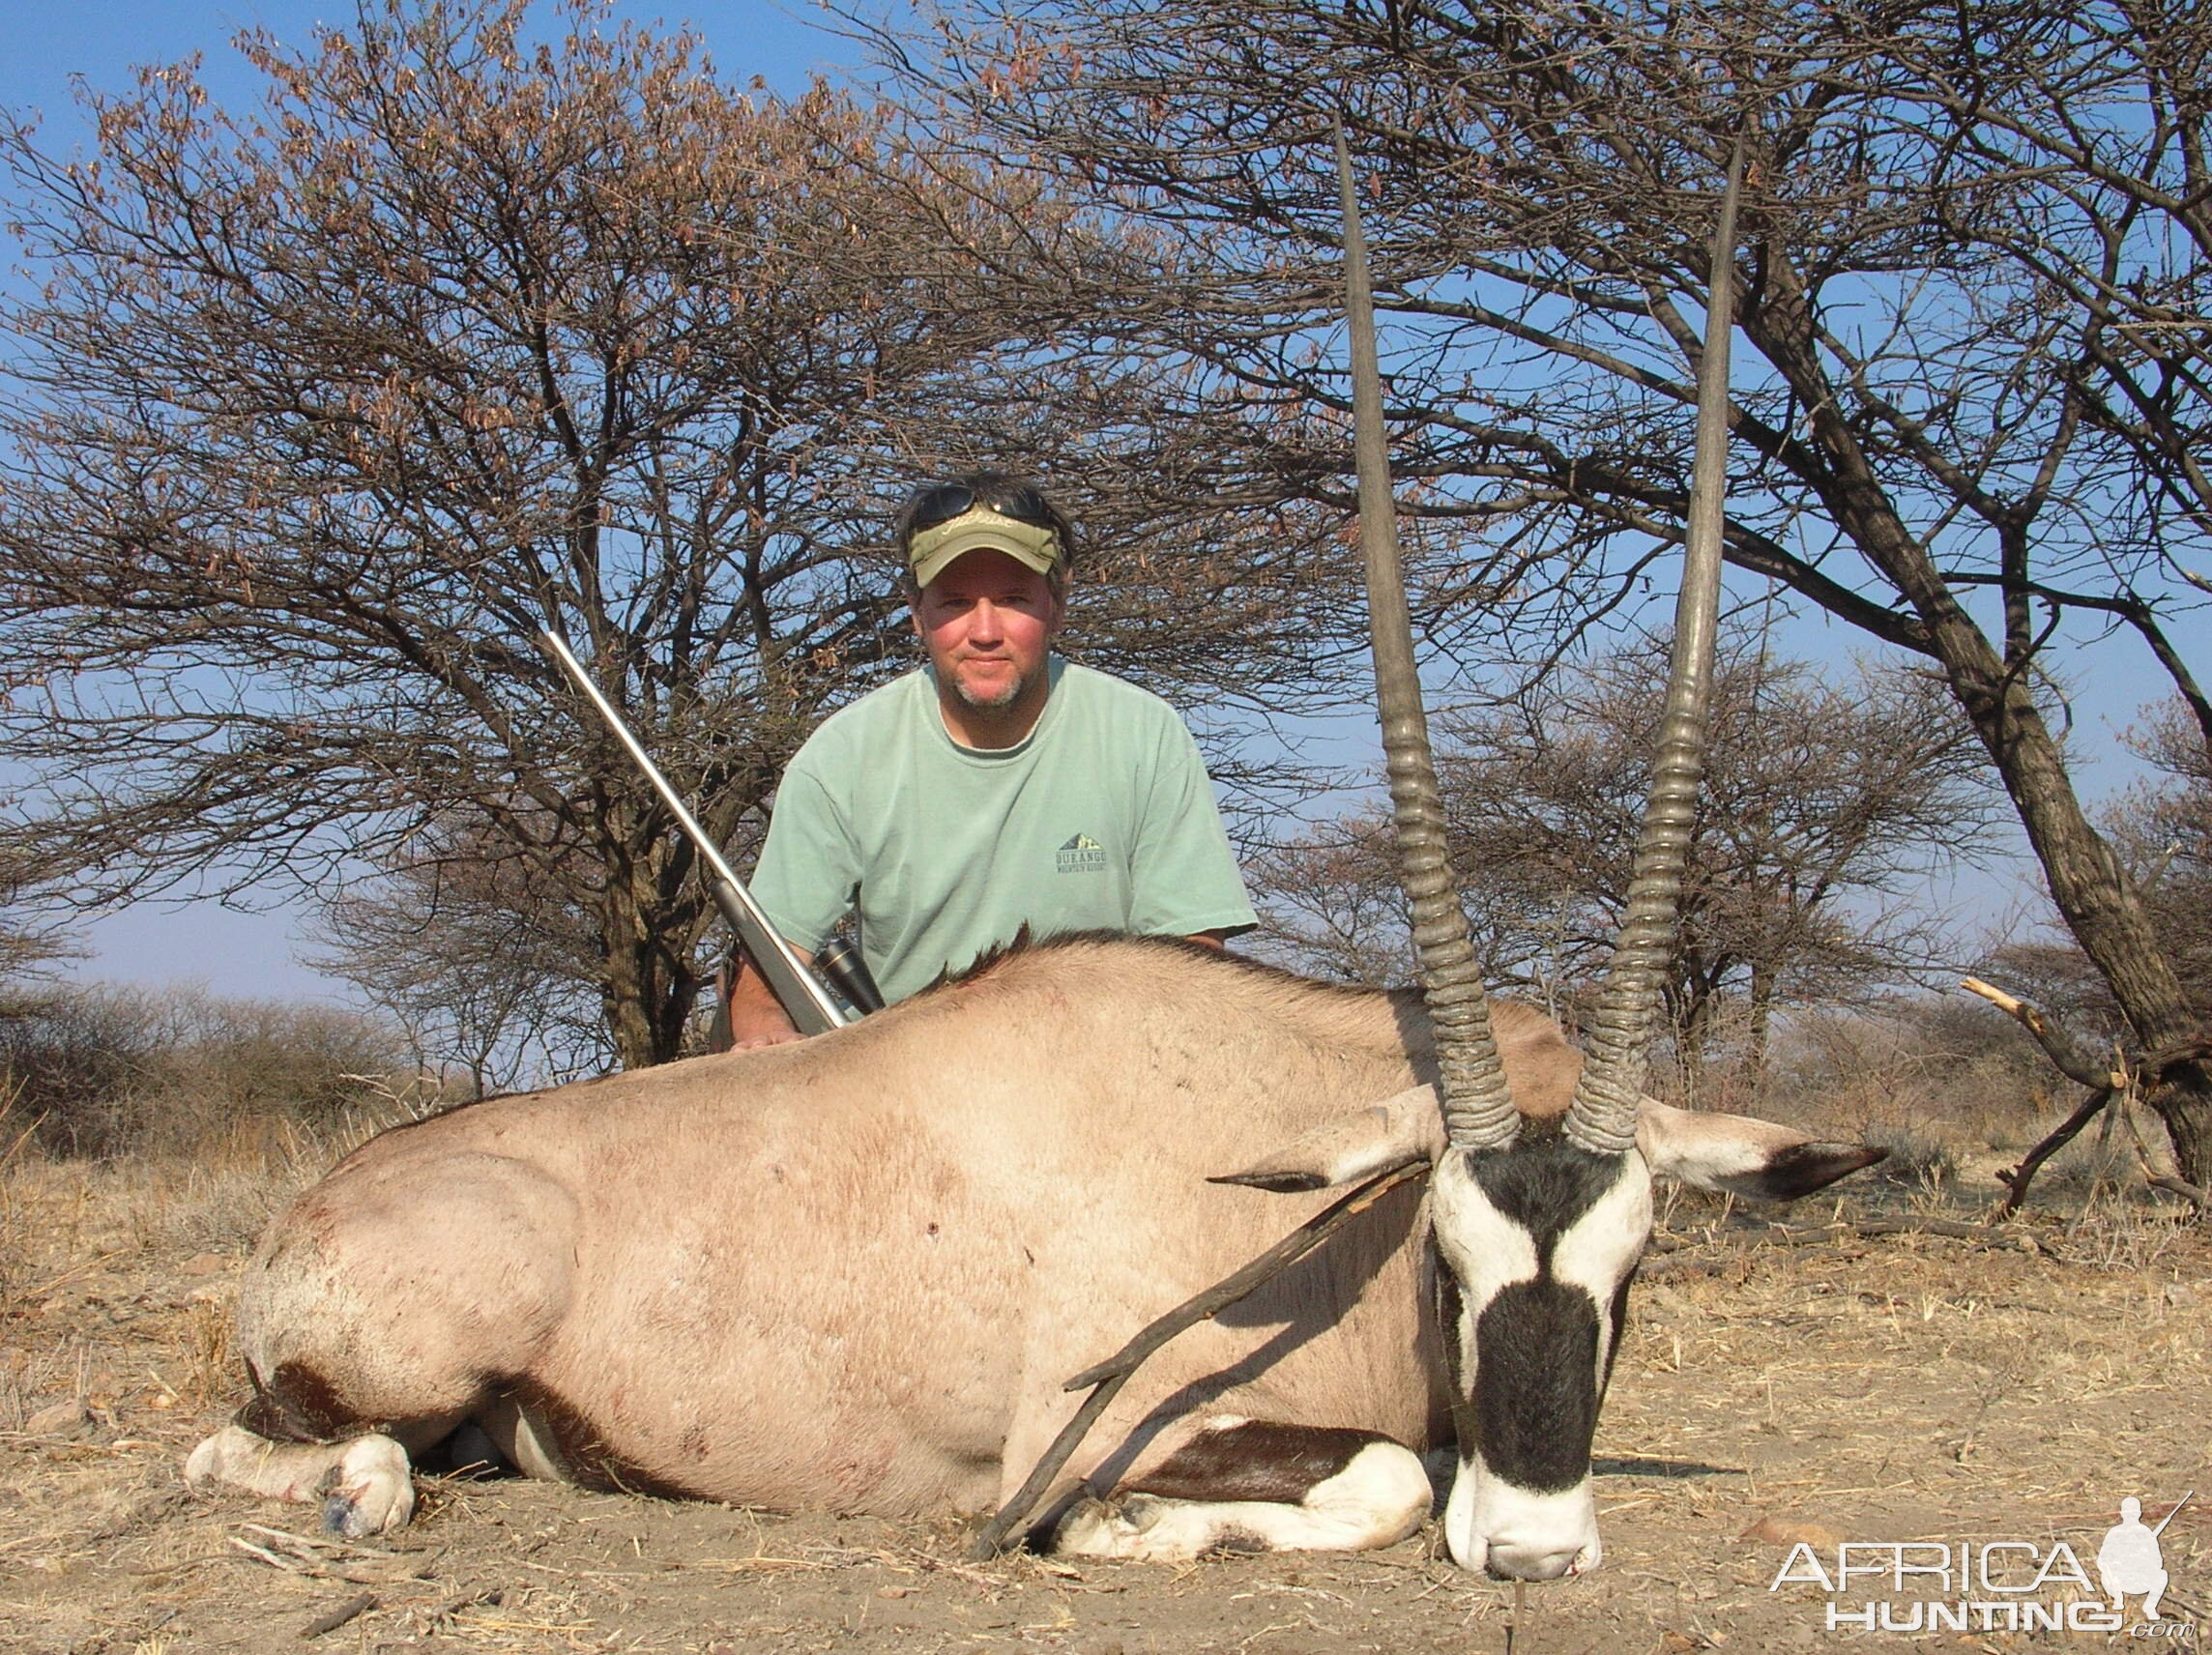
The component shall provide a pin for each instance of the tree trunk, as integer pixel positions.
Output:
(1761, 1026)
(647, 935)
(2185, 1104)
(647, 1003)
(1692, 1024)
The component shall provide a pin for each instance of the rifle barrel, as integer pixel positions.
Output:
(805, 1001)
(2172, 1514)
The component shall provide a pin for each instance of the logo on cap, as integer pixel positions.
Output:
(978, 529)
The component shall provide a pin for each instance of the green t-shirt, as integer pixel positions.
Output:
(1103, 819)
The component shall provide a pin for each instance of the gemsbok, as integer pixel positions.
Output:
(853, 1272)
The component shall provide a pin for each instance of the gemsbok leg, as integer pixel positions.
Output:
(385, 1310)
(1248, 1484)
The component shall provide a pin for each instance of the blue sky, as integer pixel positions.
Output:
(43, 47)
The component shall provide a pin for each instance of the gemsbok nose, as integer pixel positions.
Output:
(1536, 1561)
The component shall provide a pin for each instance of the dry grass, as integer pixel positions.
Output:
(1891, 1389)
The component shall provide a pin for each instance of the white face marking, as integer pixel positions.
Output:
(1489, 1523)
(1600, 1249)
(1485, 1248)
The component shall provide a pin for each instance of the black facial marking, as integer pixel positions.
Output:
(1800, 1170)
(1620, 1325)
(1257, 1460)
(1535, 1431)
(298, 1404)
(1537, 1384)
(1546, 1187)
(1451, 1307)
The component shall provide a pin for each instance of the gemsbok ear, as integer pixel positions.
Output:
(1391, 1134)
(1737, 1155)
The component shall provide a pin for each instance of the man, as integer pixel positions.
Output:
(1000, 787)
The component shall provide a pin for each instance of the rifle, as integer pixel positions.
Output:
(2172, 1514)
(803, 999)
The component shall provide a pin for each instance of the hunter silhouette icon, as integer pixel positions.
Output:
(2130, 1561)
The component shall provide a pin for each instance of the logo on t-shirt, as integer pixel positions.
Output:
(1081, 854)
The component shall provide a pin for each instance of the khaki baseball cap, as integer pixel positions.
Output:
(932, 551)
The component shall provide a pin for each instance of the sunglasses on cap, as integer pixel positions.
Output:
(949, 499)
(955, 519)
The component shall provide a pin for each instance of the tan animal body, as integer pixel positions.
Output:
(851, 1273)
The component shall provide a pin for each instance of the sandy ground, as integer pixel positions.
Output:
(1890, 1389)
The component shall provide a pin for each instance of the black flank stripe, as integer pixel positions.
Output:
(1258, 1459)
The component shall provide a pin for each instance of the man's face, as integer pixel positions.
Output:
(987, 621)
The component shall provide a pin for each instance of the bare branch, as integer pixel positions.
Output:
(2055, 1046)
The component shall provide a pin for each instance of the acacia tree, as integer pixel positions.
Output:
(2165, 836)
(327, 408)
(1824, 807)
(26, 943)
(1973, 392)
(480, 965)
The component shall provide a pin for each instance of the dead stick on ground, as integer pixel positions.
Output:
(481, 1597)
(307, 1545)
(1987, 1234)
(290, 1565)
(1837, 1235)
(1107, 1376)
(339, 1616)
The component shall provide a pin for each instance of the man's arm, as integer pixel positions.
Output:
(807, 876)
(757, 1018)
(1210, 939)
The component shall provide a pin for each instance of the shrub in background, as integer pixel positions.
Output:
(104, 1072)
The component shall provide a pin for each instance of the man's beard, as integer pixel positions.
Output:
(992, 701)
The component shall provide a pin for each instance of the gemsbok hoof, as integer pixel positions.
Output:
(363, 1485)
(369, 1491)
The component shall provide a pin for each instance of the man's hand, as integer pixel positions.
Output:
(773, 1037)
(757, 1018)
